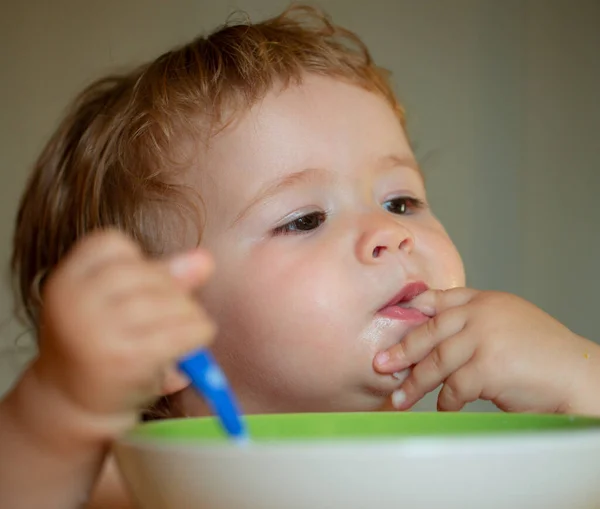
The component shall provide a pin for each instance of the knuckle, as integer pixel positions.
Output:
(448, 399)
(443, 354)
(123, 274)
(433, 325)
(436, 361)
(489, 357)
(445, 323)
(401, 351)
(420, 377)
(453, 386)
(409, 386)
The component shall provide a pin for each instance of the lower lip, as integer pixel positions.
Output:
(404, 314)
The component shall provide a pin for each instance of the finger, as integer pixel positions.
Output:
(98, 249)
(418, 343)
(122, 280)
(462, 387)
(191, 269)
(401, 376)
(434, 302)
(95, 254)
(154, 310)
(445, 359)
(175, 340)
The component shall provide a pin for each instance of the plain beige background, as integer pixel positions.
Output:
(502, 100)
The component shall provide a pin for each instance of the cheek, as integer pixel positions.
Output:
(298, 292)
(286, 317)
(445, 266)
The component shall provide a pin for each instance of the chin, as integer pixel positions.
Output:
(395, 331)
(382, 386)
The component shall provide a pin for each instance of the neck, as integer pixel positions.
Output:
(187, 404)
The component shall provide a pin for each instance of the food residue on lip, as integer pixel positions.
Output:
(586, 355)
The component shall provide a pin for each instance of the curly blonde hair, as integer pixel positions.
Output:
(119, 156)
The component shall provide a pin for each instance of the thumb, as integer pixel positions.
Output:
(191, 269)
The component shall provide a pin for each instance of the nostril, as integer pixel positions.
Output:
(377, 251)
(406, 245)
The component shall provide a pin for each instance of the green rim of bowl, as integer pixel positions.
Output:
(374, 425)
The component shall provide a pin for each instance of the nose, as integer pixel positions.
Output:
(383, 236)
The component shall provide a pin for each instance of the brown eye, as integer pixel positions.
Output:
(403, 205)
(303, 224)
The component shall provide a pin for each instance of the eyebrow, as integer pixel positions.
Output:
(382, 165)
(391, 161)
(283, 183)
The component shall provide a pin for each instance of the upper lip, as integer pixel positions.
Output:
(408, 293)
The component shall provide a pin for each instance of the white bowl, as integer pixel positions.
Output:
(360, 461)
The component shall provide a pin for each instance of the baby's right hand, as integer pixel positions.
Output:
(113, 325)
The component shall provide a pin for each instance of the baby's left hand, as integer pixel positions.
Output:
(497, 347)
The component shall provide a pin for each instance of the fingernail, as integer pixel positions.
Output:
(382, 358)
(398, 398)
(401, 375)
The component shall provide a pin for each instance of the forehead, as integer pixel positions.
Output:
(320, 123)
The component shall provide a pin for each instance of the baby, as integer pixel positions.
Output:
(255, 188)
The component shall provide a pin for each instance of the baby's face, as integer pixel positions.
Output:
(317, 218)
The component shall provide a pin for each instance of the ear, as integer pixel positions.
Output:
(174, 381)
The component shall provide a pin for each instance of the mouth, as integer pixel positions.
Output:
(399, 307)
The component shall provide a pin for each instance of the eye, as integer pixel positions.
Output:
(403, 205)
(302, 224)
